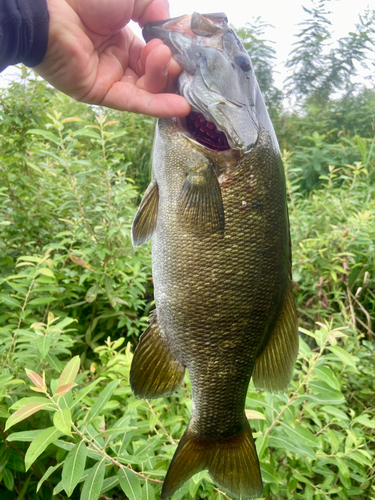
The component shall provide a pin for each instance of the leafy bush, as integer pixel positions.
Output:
(311, 443)
(75, 295)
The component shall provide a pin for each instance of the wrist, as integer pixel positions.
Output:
(38, 33)
(23, 32)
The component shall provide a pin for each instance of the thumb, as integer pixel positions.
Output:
(103, 18)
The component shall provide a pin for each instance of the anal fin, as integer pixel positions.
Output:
(145, 219)
(273, 369)
(232, 463)
(154, 371)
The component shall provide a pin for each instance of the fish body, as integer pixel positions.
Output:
(217, 215)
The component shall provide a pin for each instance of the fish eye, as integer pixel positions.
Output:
(243, 61)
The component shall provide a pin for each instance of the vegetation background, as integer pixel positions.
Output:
(75, 295)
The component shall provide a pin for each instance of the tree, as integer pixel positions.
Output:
(320, 69)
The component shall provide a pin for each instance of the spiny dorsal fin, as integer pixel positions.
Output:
(145, 219)
(200, 199)
(233, 463)
(154, 371)
(273, 369)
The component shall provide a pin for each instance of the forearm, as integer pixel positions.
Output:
(23, 32)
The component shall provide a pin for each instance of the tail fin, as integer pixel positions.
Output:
(232, 463)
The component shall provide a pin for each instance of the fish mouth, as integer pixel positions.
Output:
(205, 132)
(218, 81)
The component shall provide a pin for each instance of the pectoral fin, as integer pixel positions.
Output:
(154, 371)
(273, 369)
(201, 202)
(145, 219)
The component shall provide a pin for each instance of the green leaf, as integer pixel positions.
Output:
(45, 134)
(109, 483)
(5, 379)
(335, 412)
(25, 436)
(8, 479)
(53, 362)
(269, 475)
(46, 272)
(4, 413)
(83, 392)
(324, 393)
(43, 345)
(300, 434)
(58, 488)
(69, 373)
(25, 412)
(51, 469)
(64, 323)
(39, 444)
(343, 467)
(364, 420)
(94, 482)
(130, 484)
(86, 133)
(148, 492)
(42, 301)
(261, 445)
(102, 400)
(291, 445)
(25, 401)
(344, 356)
(9, 301)
(34, 167)
(325, 374)
(62, 421)
(30, 258)
(74, 467)
(92, 293)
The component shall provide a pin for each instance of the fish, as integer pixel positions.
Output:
(216, 212)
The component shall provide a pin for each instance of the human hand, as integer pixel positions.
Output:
(94, 57)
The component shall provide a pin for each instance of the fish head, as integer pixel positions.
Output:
(218, 80)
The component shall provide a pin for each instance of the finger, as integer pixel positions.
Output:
(126, 97)
(161, 71)
(156, 70)
(174, 70)
(141, 63)
(146, 11)
(104, 18)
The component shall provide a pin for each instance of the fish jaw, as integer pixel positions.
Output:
(218, 80)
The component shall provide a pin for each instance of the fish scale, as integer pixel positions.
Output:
(222, 277)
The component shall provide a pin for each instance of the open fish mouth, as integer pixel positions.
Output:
(205, 132)
(217, 80)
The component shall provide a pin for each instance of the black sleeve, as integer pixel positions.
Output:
(23, 32)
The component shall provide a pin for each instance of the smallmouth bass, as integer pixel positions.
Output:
(217, 215)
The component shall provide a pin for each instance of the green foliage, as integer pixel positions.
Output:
(311, 443)
(334, 244)
(74, 296)
(65, 223)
